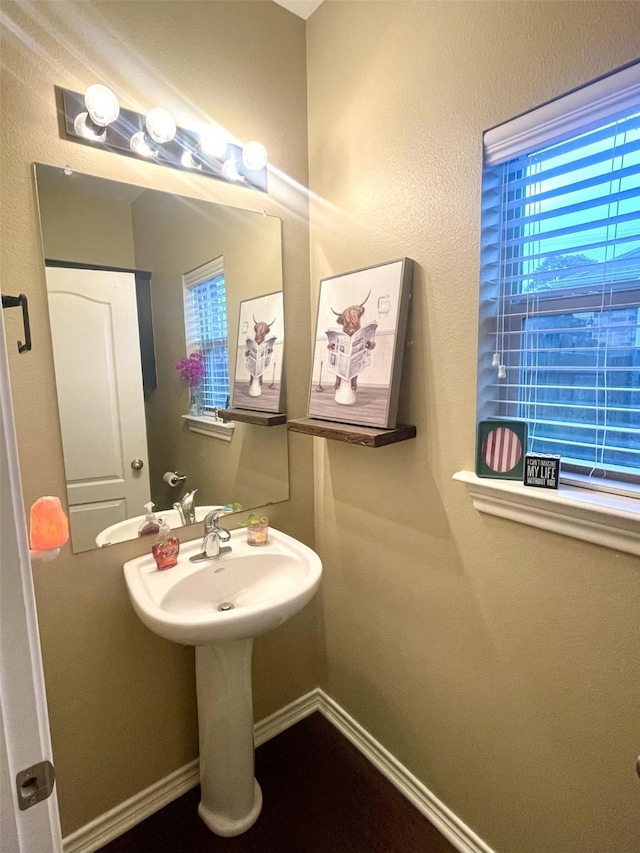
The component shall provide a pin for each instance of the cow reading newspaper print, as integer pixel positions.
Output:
(359, 345)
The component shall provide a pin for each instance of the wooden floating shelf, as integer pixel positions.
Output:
(365, 436)
(248, 416)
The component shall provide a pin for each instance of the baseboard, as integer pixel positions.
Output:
(458, 833)
(99, 832)
(287, 716)
(123, 817)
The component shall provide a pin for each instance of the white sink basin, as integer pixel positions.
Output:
(125, 530)
(262, 587)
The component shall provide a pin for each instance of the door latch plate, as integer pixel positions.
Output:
(35, 784)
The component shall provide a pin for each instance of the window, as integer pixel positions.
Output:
(560, 278)
(205, 317)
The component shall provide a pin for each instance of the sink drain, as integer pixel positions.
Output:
(226, 605)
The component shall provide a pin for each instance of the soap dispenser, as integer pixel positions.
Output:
(166, 547)
(150, 525)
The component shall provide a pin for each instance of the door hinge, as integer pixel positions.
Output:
(35, 784)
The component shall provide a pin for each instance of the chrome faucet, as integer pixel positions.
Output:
(214, 536)
(186, 508)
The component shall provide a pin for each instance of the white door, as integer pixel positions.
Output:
(24, 726)
(96, 350)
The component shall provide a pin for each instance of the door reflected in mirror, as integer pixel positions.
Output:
(117, 259)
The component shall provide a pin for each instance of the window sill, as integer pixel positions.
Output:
(209, 426)
(612, 521)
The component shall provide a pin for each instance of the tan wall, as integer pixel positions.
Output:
(122, 701)
(499, 663)
(85, 230)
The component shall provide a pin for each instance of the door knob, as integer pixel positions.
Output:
(137, 464)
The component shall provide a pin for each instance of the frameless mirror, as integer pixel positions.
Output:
(115, 259)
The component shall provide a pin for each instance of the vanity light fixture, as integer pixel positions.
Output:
(96, 118)
(161, 125)
(230, 170)
(254, 155)
(142, 145)
(212, 144)
(102, 108)
(160, 128)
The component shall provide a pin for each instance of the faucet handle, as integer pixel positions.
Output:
(211, 518)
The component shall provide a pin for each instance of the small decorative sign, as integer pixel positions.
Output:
(541, 470)
(500, 449)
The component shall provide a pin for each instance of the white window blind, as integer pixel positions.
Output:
(560, 278)
(205, 312)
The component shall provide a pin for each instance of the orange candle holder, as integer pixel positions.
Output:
(48, 524)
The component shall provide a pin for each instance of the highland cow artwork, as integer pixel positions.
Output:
(359, 344)
(258, 376)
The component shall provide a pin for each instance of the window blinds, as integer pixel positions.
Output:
(560, 278)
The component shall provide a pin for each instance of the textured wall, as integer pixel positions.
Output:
(498, 662)
(122, 701)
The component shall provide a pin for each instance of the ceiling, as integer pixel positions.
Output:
(302, 8)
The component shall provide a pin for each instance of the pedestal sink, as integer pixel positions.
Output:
(219, 606)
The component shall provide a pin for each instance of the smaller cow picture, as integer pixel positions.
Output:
(359, 343)
(257, 384)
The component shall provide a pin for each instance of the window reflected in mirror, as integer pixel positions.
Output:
(205, 322)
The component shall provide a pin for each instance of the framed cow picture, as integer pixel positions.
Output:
(359, 345)
(257, 383)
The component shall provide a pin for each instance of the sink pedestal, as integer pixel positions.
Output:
(218, 606)
(231, 799)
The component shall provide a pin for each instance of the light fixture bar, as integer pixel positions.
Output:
(182, 152)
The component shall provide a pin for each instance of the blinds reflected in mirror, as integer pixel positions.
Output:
(206, 329)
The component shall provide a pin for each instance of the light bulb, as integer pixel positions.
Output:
(230, 171)
(140, 144)
(161, 125)
(88, 129)
(102, 104)
(213, 143)
(254, 156)
(188, 161)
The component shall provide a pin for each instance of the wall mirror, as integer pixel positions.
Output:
(115, 258)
